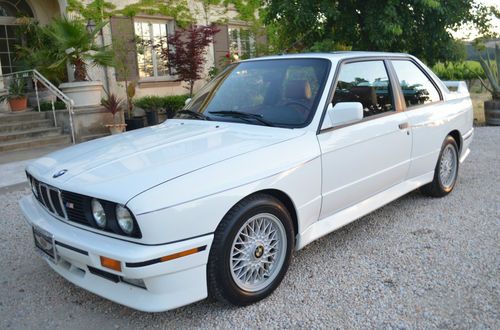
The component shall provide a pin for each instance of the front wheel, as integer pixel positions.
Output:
(446, 171)
(251, 251)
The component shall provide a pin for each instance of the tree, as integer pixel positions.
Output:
(187, 50)
(77, 46)
(419, 27)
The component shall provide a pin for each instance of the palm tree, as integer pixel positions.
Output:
(78, 47)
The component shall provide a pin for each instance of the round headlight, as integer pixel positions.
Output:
(98, 213)
(125, 220)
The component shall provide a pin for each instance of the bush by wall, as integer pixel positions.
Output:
(171, 104)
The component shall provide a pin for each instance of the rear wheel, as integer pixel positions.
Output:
(251, 251)
(446, 171)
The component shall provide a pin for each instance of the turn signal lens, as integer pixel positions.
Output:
(180, 254)
(111, 264)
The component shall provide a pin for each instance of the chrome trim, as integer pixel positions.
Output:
(63, 208)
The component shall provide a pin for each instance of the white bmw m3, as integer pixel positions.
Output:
(269, 156)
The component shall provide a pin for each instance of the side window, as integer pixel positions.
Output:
(417, 88)
(367, 83)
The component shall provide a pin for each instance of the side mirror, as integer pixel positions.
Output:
(342, 113)
(187, 101)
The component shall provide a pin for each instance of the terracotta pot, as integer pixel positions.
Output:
(18, 104)
(116, 128)
(492, 112)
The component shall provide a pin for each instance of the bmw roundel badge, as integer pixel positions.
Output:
(58, 174)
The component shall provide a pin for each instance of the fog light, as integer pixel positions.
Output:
(135, 282)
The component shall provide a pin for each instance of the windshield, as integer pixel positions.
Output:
(283, 92)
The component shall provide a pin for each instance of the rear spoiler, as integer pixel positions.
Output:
(457, 88)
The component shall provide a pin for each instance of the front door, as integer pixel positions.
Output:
(364, 158)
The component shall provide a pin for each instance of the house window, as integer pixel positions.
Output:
(241, 41)
(152, 40)
(9, 10)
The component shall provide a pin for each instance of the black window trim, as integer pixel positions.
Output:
(396, 90)
(426, 74)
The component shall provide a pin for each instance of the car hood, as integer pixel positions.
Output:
(119, 167)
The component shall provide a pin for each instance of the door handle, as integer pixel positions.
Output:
(403, 126)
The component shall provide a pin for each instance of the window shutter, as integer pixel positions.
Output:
(221, 46)
(123, 36)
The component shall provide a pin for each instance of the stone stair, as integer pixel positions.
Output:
(28, 130)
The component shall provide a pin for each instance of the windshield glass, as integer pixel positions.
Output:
(282, 92)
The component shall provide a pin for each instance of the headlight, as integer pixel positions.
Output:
(125, 220)
(98, 213)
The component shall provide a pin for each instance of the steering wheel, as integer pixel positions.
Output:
(304, 112)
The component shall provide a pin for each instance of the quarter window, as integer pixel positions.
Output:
(417, 88)
(367, 83)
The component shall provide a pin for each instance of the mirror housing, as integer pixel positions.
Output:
(342, 113)
(187, 101)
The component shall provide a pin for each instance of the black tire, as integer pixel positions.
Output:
(221, 284)
(436, 188)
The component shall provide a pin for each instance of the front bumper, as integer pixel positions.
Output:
(169, 284)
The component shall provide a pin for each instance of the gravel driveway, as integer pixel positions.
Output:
(417, 262)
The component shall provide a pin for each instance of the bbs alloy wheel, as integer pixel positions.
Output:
(251, 250)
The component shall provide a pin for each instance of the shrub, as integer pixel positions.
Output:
(47, 106)
(468, 71)
(170, 104)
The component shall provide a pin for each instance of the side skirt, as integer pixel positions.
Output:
(329, 224)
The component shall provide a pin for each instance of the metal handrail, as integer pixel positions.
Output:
(38, 77)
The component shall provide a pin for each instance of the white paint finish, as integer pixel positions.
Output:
(363, 159)
(348, 215)
(180, 179)
(105, 168)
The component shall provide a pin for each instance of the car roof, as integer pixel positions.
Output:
(333, 55)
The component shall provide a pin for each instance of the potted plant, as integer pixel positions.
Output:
(16, 96)
(132, 121)
(114, 105)
(77, 46)
(151, 105)
(492, 71)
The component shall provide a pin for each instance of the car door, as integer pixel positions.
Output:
(426, 114)
(366, 157)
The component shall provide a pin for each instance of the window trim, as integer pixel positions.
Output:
(426, 74)
(390, 74)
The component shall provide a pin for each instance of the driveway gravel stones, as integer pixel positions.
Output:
(416, 263)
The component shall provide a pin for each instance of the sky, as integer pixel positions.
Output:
(469, 33)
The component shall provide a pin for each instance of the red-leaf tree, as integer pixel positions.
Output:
(187, 52)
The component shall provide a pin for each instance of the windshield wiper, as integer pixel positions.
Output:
(240, 114)
(194, 114)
